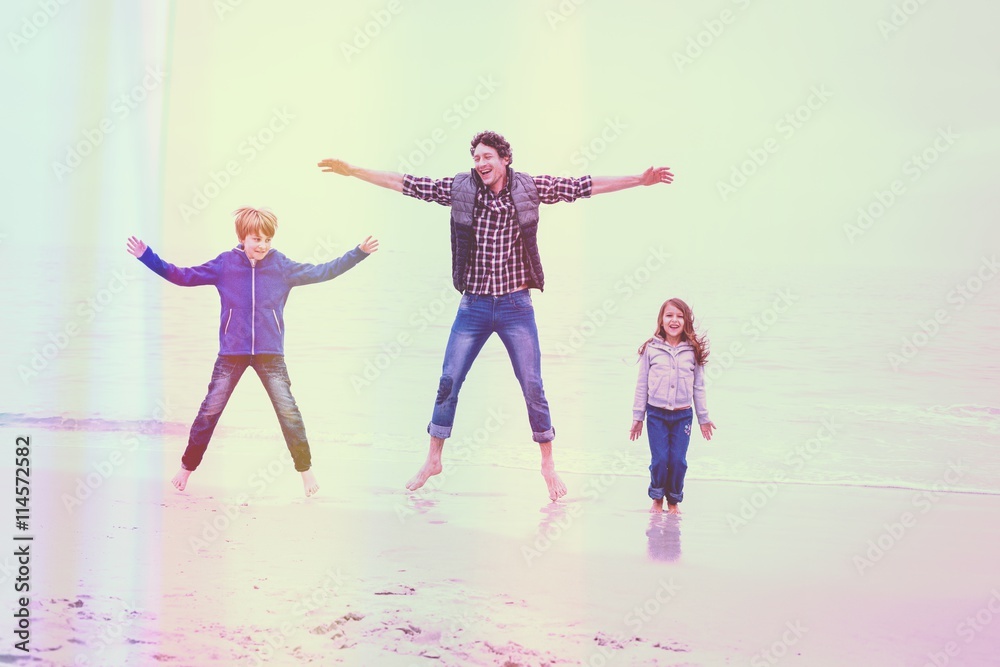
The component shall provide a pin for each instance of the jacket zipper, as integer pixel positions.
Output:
(276, 320)
(253, 304)
(228, 320)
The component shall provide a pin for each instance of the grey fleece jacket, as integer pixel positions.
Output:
(669, 377)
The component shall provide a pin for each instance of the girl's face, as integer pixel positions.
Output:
(673, 321)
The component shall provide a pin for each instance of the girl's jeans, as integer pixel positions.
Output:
(226, 375)
(669, 434)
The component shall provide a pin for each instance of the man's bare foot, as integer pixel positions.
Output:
(657, 507)
(556, 487)
(672, 508)
(431, 467)
(309, 482)
(180, 480)
(428, 470)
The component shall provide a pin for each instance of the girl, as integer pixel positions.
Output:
(671, 378)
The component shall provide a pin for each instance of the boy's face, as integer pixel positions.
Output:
(256, 245)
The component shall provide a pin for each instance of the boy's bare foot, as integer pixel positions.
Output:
(556, 487)
(657, 507)
(180, 480)
(431, 467)
(672, 508)
(309, 482)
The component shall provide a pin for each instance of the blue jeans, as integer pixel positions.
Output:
(226, 375)
(512, 317)
(669, 433)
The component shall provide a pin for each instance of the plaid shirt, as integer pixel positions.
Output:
(498, 264)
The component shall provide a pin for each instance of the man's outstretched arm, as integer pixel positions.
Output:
(652, 176)
(385, 179)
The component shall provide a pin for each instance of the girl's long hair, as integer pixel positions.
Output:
(688, 335)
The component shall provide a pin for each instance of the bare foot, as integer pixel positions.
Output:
(672, 508)
(180, 480)
(430, 468)
(657, 507)
(556, 487)
(309, 482)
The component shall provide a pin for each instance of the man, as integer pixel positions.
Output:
(495, 261)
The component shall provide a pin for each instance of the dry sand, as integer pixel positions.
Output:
(485, 571)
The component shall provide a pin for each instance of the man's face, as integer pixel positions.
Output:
(491, 167)
(256, 246)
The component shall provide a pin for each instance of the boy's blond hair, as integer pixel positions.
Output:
(250, 220)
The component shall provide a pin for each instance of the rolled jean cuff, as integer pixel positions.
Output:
(544, 436)
(443, 432)
(656, 494)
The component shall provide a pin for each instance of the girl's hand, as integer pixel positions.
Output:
(636, 430)
(135, 246)
(369, 245)
(706, 430)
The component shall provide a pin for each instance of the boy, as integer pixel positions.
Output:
(253, 282)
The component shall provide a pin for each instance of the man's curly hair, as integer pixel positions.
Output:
(494, 141)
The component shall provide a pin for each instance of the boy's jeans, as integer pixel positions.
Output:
(669, 433)
(225, 376)
(512, 317)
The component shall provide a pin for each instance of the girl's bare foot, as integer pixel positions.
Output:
(309, 482)
(556, 487)
(673, 508)
(657, 507)
(431, 467)
(180, 480)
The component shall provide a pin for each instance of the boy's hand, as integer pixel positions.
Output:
(336, 166)
(135, 246)
(652, 176)
(706, 430)
(636, 430)
(369, 245)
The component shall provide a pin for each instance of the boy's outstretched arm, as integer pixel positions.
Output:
(652, 176)
(386, 179)
(206, 274)
(307, 274)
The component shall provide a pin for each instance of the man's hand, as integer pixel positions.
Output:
(135, 246)
(636, 430)
(369, 245)
(336, 166)
(655, 175)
